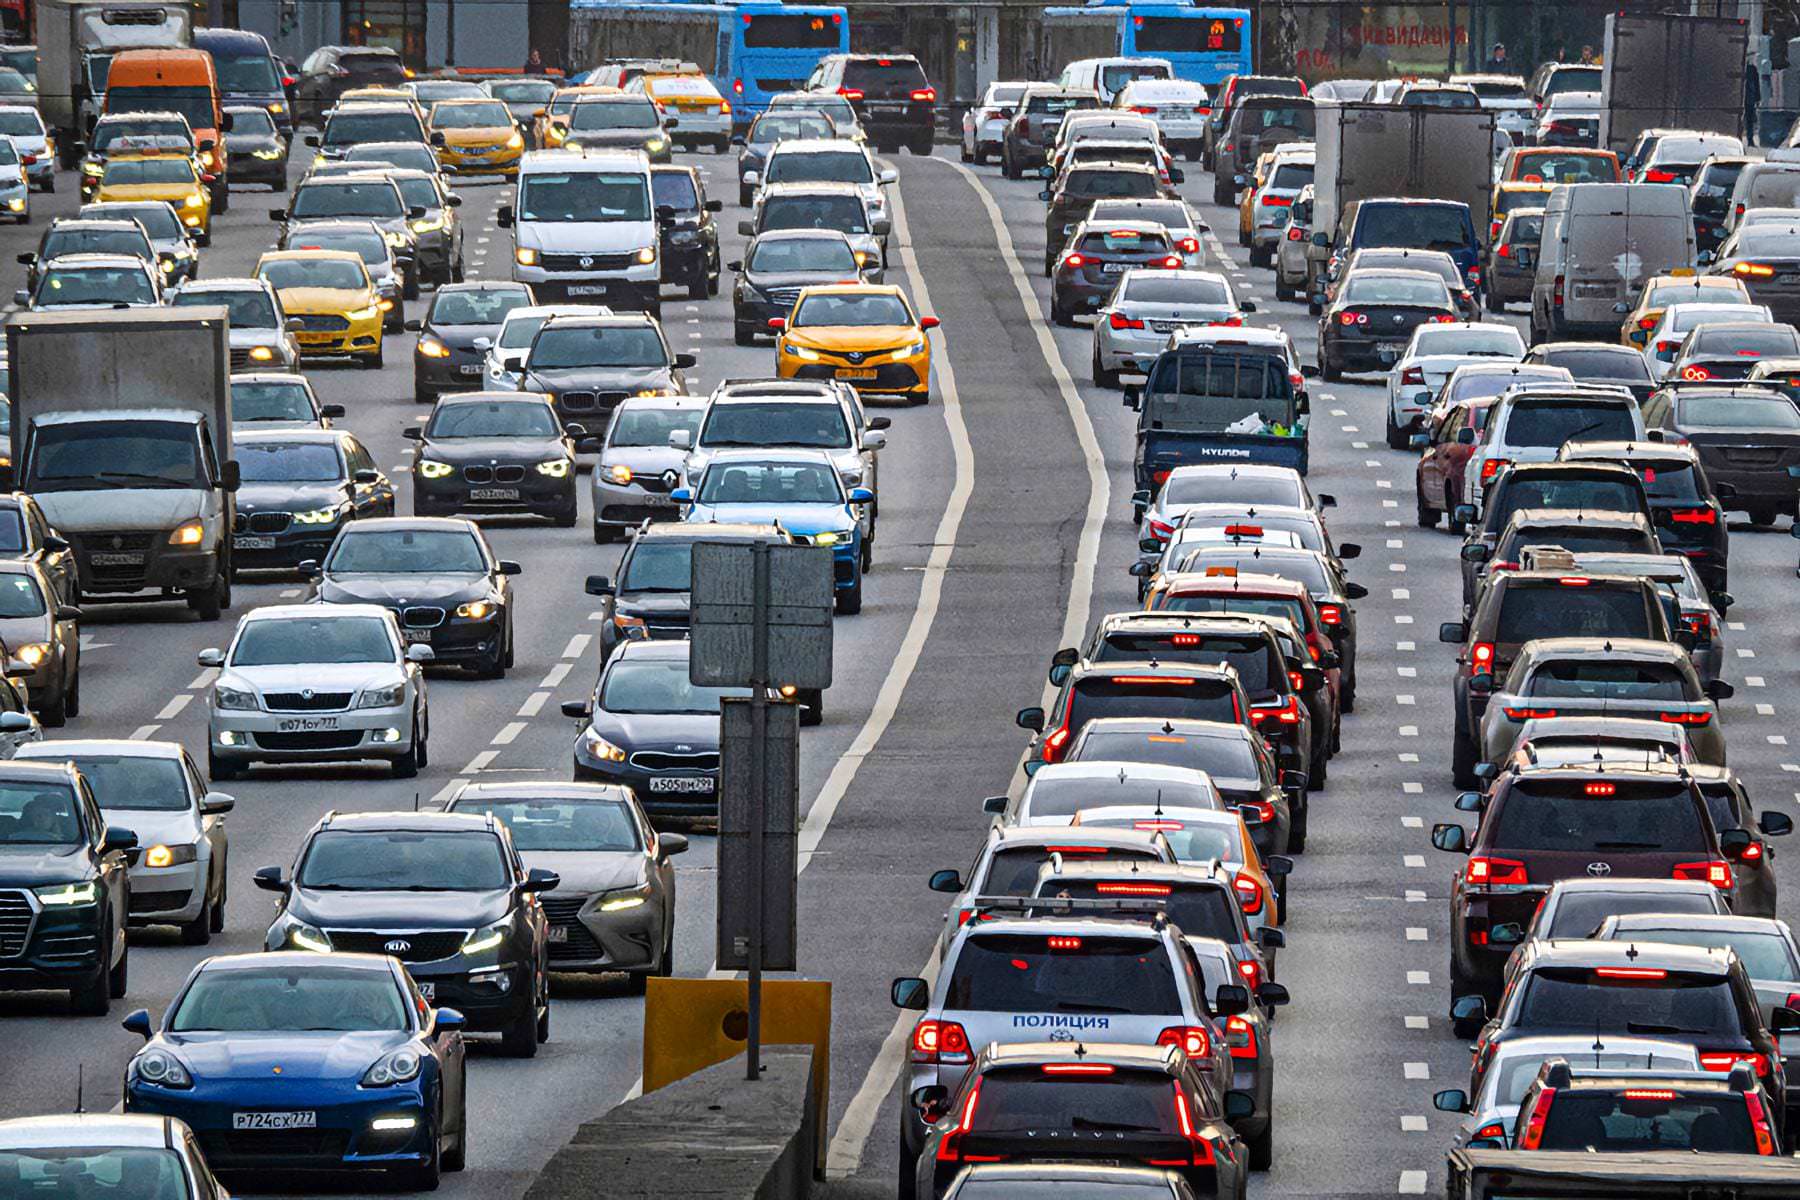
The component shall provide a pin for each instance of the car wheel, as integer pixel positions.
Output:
(1260, 257)
(1282, 290)
(93, 997)
(1763, 515)
(1297, 831)
(75, 691)
(424, 749)
(373, 362)
(199, 931)
(495, 666)
(742, 336)
(849, 601)
(219, 768)
(457, 1159)
(423, 395)
(409, 285)
(425, 1176)
(216, 914)
(208, 602)
(1462, 760)
(1262, 1148)
(520, 1037)
(118, 980)
(407, 765)
(55, 712)
(511, 645)
(745, 195)
(1104, 378)
(1428, 517)
(1397, 438)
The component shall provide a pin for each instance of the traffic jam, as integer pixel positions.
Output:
(363, 420)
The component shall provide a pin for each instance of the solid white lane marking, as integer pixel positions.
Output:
(173, 708)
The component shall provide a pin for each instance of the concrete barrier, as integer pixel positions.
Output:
(713, 1134)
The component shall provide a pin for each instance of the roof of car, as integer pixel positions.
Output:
(1012, 1054)
(399, 821)
(1202, 873)
(1662, 956)
(302, 437)
(1133, 225)
(1634, 451)
(1574, 728)
(122, 224)
(71, 1130)
(455, 398)
(712, 531)
(660, 651)
(815, 145)
(546, 789)
(76, 261)
(1033, 836)
(384, 524)
(1600, 518)
(1122, 772)
(1185, 726)
(15, 771)
(1228, 579)
(238, 377)
(796, 187)
(1161, 670)
(1641, 649)
(127, 747)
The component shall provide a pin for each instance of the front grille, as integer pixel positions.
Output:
(324, 739)
(269, 522)
(786, 296)
(509, 474)
(586, 262)
(421, 616)
(320, 323)
(661, 628)
(659, 760)
(426, 946)
(245, 1146)
(478, 474)
(240, 359)
(305, 701)
(129, 540)
(582, 946)
(512, 474)
(15, 923)
(156, 902)
(72, 949)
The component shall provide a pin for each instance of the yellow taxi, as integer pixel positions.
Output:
(865, 334)
(331, 301)
(379, 95)
(701, 113)
(1195, 835)
(1677, 287)
(1510, 195)
(479, 137)
(550, 124)
(170, 177)
(1247, 195)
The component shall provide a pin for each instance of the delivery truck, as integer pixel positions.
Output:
(76, 42)
(121, 430)
(1671, 72)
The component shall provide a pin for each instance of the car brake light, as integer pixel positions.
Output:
(940, 1042)
(1078, 1068)
(1647, 322)
(1490, 871)
(1556, 292)
(1694, 516)
(1695, 371)
(1295, 681)
(924, 94)
(1717, 872)
(1241, 530)
(1331, 614)
(1294, 234)
(1534, 1125)
(1727, 1059)
(1753, 851)
(1154, 680)
(1250, 895)
(1655, 176)
(1412, 375)
(1189, 245)
(1172, 261)
(1053, 745)
(1184, 639)
(1349, 317)
(1495, 1131)
(1599, 789)
(1121, 321)
(1753, 270)
(1504, 250)
(850, 93)
(1494, 229)
(1251, 971)
(1240, 1037)
(1759, 1123)
(1278, 201)
(737, 87)
(1202, 1149)
(1528, 714)
(1134, 889)
(1493, 466)
(950, 1149)
(1631, 973)
(1073, 260)
(1481, 657)
(1444, 319)
(1685, 718)
(1194, 1040)
(1062, 942)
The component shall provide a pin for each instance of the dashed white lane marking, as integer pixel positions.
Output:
(479, 763)
(1416, 933)
(1412, 1183)
(509, 733)
(1384, 483)
(443, 794)
(1403, 619)
(1417, 1070)
(1414, 861)
(1351, 429)
(1403, 698)
(1412, 822)
(1418, 978)
(1407, 672)
(290, 593)
(1735, 625)
(1413, 788)
(143, 732)
(204, 678)
(1745, 653)
(1415, 896)
(1359, 445)
(1777, 739)
(1412, 1124)
(1407, 758)
(556, 675)
(1753, 681)
(576, 645)
(1418, 1022)
(1401, 593)
(173, 708)
(534, 704)
(1765, 710)
(1398, 567)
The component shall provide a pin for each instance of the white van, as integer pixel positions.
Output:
(1600, 242)
(584, 228)
(1108, 76)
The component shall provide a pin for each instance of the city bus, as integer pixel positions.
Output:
(750, 50)
(1204, 45)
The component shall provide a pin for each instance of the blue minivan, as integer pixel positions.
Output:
(1417, 225)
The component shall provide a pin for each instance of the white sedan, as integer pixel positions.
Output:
(1679, 320)
(1433, 353)
(317, 683)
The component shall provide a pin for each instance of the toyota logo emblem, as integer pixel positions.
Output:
(855, 356)
(398, 946)
(1599, 868)
(1060, 1035)
(586, 261)
(1398, 319)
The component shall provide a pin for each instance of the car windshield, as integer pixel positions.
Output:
(562, 824)
(379, 200)
(1419, 226)
(1737, 412)
(658, 566)
(1203, 911)
(783, 126)
(1664, 295)
(20, 122)
(147, 132)
(290, 462)
(471, 114)
(494, 419)
(95, 285)
(1561, 817)
(19, 596)
(770, 483)
(419, 192)
(246, 73)
(373, 67)
(1558, 611)
(158, 220)
(334, 274)
(652, 686)
(1551, 422)
(675, 189)
(403, 860)
(38, 813)
(407, 551)
(476, 306)
(148, 454)
(416, 156)
(1581, 998)
(248, 309)
(823, 254)
(290, 999)
(1192, 841)
(1601, 495)
(153, 1174)
(1149, 288)
(843, 213)
(1766, 954)
(134, 782)
(12, 530)
(1576, 538)
(147, 170)
(648, 426)
(820, 426)
(613, 114)
(849, 309)
(819, 166)
(1603, 679)
(78, 240)
(597, 346)
(1395, 289)
(270, 402)
(837, 109)
(584, 196)
(349, 128)
(313, 640)
(1025, 973)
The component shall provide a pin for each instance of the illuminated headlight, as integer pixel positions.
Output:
(430, 347)
(515, 142)
(189, 533)
(430, 468)
(68, 895)
(33, 654)
(92, 170)
(17, 204)
(193, 200)
(801, 352)
(827, 538)
(257, 353)
(917, 347)
(318, 516)
(571, 145)
(192, 219)
(234, 699)
(276, 108)
(162, 1069)
(396, 1066)
(308, 937)
(266, 155)
(381, 697)
(556, 468)
(485, 939)
(394, 239)
(654, 144)
(863, 257)
(620, 901)
(654, 391)
(170, 856)
(525, 256)
(647, 255)
(168, 265)
(428, 224)
(475, 610)
(393, 1124)
(362, 314)
(385, 305)
(600, 748)
(619, 473)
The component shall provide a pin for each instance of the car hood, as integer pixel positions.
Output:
(557, 379)
(479, 135)
(152, 827)
(657, 604)
(764, 280)
(860, 337)
(493, 450)
(297, 1056)
(320, 677)
(399, 910)
(462, 337)
(797, 518)
(259, 497)
(245, 338)
(120, 508)
(34, 866)
(144, 191)
(657, 731)
(586, 237)
(20, 631)
(242, 144)
(584, 872)
(403, 589)
(333, 301)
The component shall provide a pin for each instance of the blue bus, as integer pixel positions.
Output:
(750, 50)
(1204, 45)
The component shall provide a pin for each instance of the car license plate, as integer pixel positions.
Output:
(857, 373)
(558, 934)
(275, 1120)
(493, 493)
(1111, 268)
(428, 992)
(682, 783)
(587, 289)
(244, 541)
(116, 560)
(306, 724)
(416, 636)
(1393, 348)
(469, 369)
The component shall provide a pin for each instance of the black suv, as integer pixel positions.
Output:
(330, 71)
(1689, 519)
(686, 232)
(1596, 486)
(444, 893)
(64, 892)
(894, 101)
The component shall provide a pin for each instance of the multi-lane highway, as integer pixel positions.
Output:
(1005, 530)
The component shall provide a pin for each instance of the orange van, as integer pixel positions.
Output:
(183, 81)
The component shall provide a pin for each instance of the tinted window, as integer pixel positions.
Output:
(1013, 871)
(1765, 955)
(650, 426)
(390, 551)
(1772, 339)
(1738, 412)
(659, 686)
(1601, 679)
(1642, 1119)
(1224, 758)
(38, 814)
(1561, 817)
(347, 200)
(1256, 661)
(154, 1174)
(1423, 226)
(1578, 998)
(1669, 481)
(1579, 914)
(1110, 183)
(773, 31)
(1019, 973)
(403, 860)
(1199, 699)
(194, 103)
(1602, 364)
(559, 824)
(1146, 288)
(1015, 1100)
(1200, 911)
(1597, 495)
(1550, 423)
(1536, 612)
(1575, 538)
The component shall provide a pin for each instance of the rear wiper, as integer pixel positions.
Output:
(1649, 1027)
(1117, 1126)
(1085, 1006)
(1627, 846)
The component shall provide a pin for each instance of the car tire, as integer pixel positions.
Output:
(1427, 515)
(222, 198)
(1221, 191)
(1260, 257)
(55, 712)
(1102, 377)
(742, 336)
(1059, 315)
(1327, 372)
(424, 1177)
(543, 1025)
(511, 645)
(495, 666)
(1762, 515)
(1450, 521)
(1314, 308)
(566, 518)
(375, 361)
(1297, 831)
(603, 534)
(849, 601)
(74, 693)
(457, 1159)
(697, 289)
(520, 1037)
(1463, 757)
(280, 185)
(92, 998)
(921, 146)
(745, 196)
(220, 768)
(423, 395)
(1397, 438)
(409, 284)
(118, 979)
(1282, 290)
(407, 765)
(215, 914)
(208, 603)
(1262, 1148)
(1006, 167)
(199, 931)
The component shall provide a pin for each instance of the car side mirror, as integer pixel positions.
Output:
(1734, 842)
(994, 805)
(670, 844)
(420, 654)
(1718, 689)
(1471, 801)
(1774, 824)
(453, 200)
(1044, 195)
(503, 216)
(1349, 550)
(1507, 933)
(911, 993)
(210, 657)
(1030, 718)
(57, 545)
(599, 585)
(946, 881)
(25, 260)
(1454, 633)
(1451, 1100)
(736, 266)
(1270, 939)
(216, 804)
(509, 566)
(874, 440)
(1723, 600)
(682, 495)
(1475, 552)
(1418, 441)
(1356, 591)
(1249, 306)
(366, 477)
(1784, 1020)
(1685, 638)
(138, 1022)
(1239, 1105)
(437, 137)
(22, 298)
(1327, 500)
(1231, 999)
(278, 215)
(929, 323)
(415, 325)
(1131, 396)
(309, 139)
(1471, 1008)
(16, 722)
(1272, 995)
(413, 433)
(681, 439)
(539, 879)
(881, 226)
(448, 1020)
(270, 879)
(686, 360)
(1451, 839)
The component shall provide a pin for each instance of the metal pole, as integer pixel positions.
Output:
(1450, 62)
(759, 797)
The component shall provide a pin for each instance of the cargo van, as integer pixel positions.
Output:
(584, 228)
(183, 81)
(1599, 244)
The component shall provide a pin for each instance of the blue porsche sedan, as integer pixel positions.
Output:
(799, 490)
(306, 1061)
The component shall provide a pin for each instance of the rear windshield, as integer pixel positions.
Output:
(1647, 1119)
(1579, 914)
(1200, 911)
(1179, 696)
(884, 76)
(1622, 365)
(1303, 568)
(1395, 289)
(1249, 490)
(1292, 176)
(1233, 602)
(1042, 103)
(1566, 166)
(1259, 117)
(1558, 611)
(1114, 76)
(1579, 998)
(1192, 841)
(1559, 816)
(1737, 412)
(1600, 679)
(1124, 241)
(1525, 231)
(1669, 481)
(1100, 182)
(786, 31)
(1577, 539)
(1257, 663)
(1013, 871)
(1596, 495)
(1150, 288)
(1420, 226)
(1021, 1099)
(1765, 955)
(1772, 339)
(1550, 423)
(373, 68)
(1020, 973)
(1064, 796)
(1440, 98)
(1223, 758)
(1573, 78)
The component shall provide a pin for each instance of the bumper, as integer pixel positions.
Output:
(245, 737)
(167, 895)
(461, 371)
(281, 551)
(247, 168)
(627, 505)
(533, 494)
(490, 996)
(1077, 292)
(434, 251)
(640, 290)
(1356, 355)
(505, 162)
(901, 123)
(700, 126)
(699, 799)
(902, 375)
(682, 261)
(459, 639)
(362, 339)
(587, 939)
(1125, 349)
(63, 951)
(169, 570)
(345, 1137)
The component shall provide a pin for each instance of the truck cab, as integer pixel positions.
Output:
(1236, 395)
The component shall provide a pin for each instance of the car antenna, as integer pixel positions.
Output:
(1159, 811)
(415, 802)
(80, 1079)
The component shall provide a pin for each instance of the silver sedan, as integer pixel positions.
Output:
(1149, 304)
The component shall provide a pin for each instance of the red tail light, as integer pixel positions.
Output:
(1134, 889)
(1444, 319)
(1685, 718)
(1240, 1037)
(950, 1149)
(940, 1042)
(1597, 788)
(1172, 262)
(1160, 529)
(1412, 375)
(1716, 872)
(1727, 1059)
(1121, 321)
(1250, 970)
(1294, 234)
(1695, 371)
(1188, 245)
(1495, 1131)
(1759, 1123)
(737, 87)
(1534, 1125)
(1053, 745)
(924, 94)
(850, 93)
(1193, 1039)
(1331, 614)
(1481, 658)
(1504, 250)
(1078, 1068)
(1490, 871)
(1202, 1149)
(1074, 260)
(1654, 176)
(1144, 109)
(1556, 292)
(1295, 681)
(1285, 713)
(1348, 317)
(1647, 322)
(1694, 516)
(1494, 229)
(1204, 110)
(1278, 201)
(1528, 714)
(1493, 466)
(1250, 895)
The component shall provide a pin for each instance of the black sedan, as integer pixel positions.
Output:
(299, 487)
(1748, 440)
(1098, 254)
(502, 452)
(462, 322)
(774, 269)
(586, 365)
(258, 148)
(1373, 316)
(1765, 258)
(687, 233)
(1730, 350)
(440, 578)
